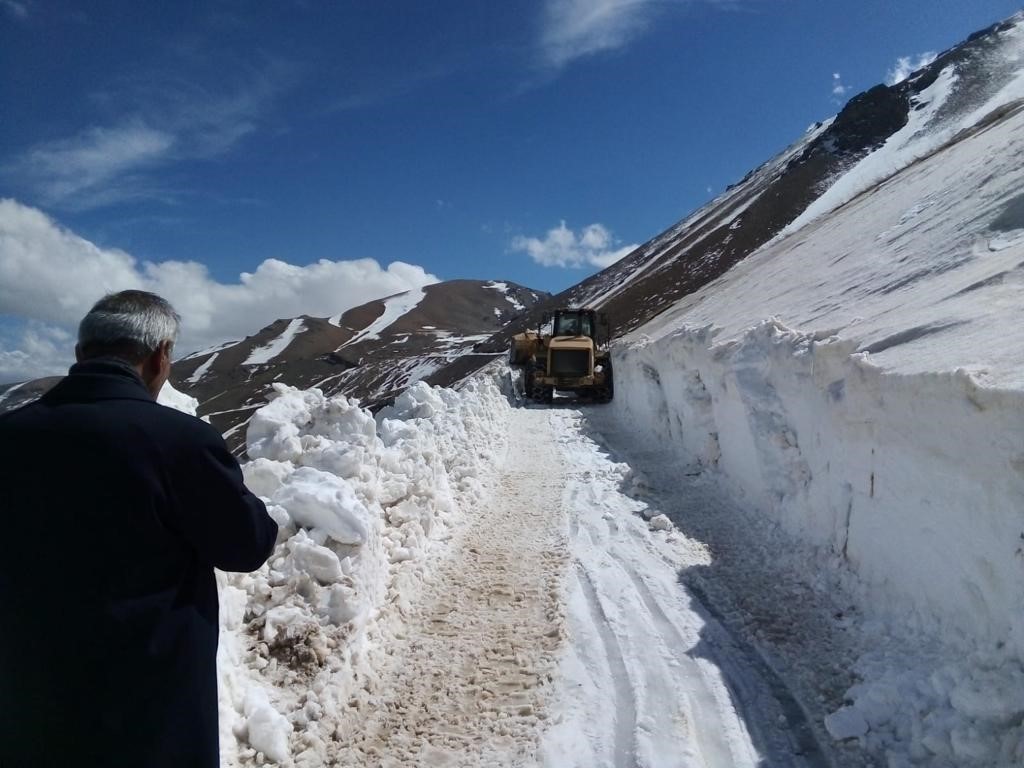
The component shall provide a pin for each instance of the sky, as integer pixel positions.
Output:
(253, 161)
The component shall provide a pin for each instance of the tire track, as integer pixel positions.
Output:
(624, 750)
(710, 739)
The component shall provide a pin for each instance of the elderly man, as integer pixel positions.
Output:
(116, 510)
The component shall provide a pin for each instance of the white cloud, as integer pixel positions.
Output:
(905, 66)
(561, 247)
(49, 277)
(571, 29)
(165, 121)
(92, 159)
(838, 89)
(15, 9)
(38, 350)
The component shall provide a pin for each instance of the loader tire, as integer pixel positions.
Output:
(609, 384)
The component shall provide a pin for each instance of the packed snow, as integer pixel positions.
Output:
(269, 351)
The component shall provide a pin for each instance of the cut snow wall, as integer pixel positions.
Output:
(916, 481)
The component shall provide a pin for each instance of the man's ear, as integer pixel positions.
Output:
(153, 362)
(78, 353)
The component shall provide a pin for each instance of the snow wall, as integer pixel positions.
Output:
(365, 505)
(915, 482)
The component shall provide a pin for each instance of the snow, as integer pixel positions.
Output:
(857, 386)
(179, 401)
(941, 111)
(202, 369)
(266, 729)
(269, 351)
(363, 503)
(394, 308)
(630, 689)
(504, 288)
(793, 538)
(846, 723)
(210, 350)
(10, 390)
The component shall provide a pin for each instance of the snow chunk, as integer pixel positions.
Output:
(846, 723)
(661, 523)
(319, 562)
(268, 729)
(318, 499)
(264, 476)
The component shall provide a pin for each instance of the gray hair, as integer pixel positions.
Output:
(129, 325)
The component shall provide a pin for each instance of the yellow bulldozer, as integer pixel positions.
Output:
(565, 354)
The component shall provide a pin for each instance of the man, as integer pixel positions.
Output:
(115, 512)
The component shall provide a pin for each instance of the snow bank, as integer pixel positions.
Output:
(914, 484)
(364, 505)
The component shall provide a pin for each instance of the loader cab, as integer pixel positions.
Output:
(574, 323)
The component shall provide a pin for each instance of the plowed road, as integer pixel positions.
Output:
(557, 633)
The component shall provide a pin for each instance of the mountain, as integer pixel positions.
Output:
(972, 87)
(371, 352)
(969, 92)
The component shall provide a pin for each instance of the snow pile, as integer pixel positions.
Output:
(179, 401)
(363, 504)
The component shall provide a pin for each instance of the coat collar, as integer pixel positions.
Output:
(104, 378)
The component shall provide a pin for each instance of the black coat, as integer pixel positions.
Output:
(115, 512)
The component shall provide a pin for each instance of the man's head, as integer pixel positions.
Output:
(135, 326)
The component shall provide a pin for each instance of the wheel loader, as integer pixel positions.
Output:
(565, 354)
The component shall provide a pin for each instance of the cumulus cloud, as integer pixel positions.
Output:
(34, 350)
(49, 277)
(561, 247)
(905, 66)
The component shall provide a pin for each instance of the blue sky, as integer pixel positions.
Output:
(452, 136)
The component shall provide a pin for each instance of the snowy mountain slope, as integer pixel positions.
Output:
(876, 134)
(371, 352)
(858, 383)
